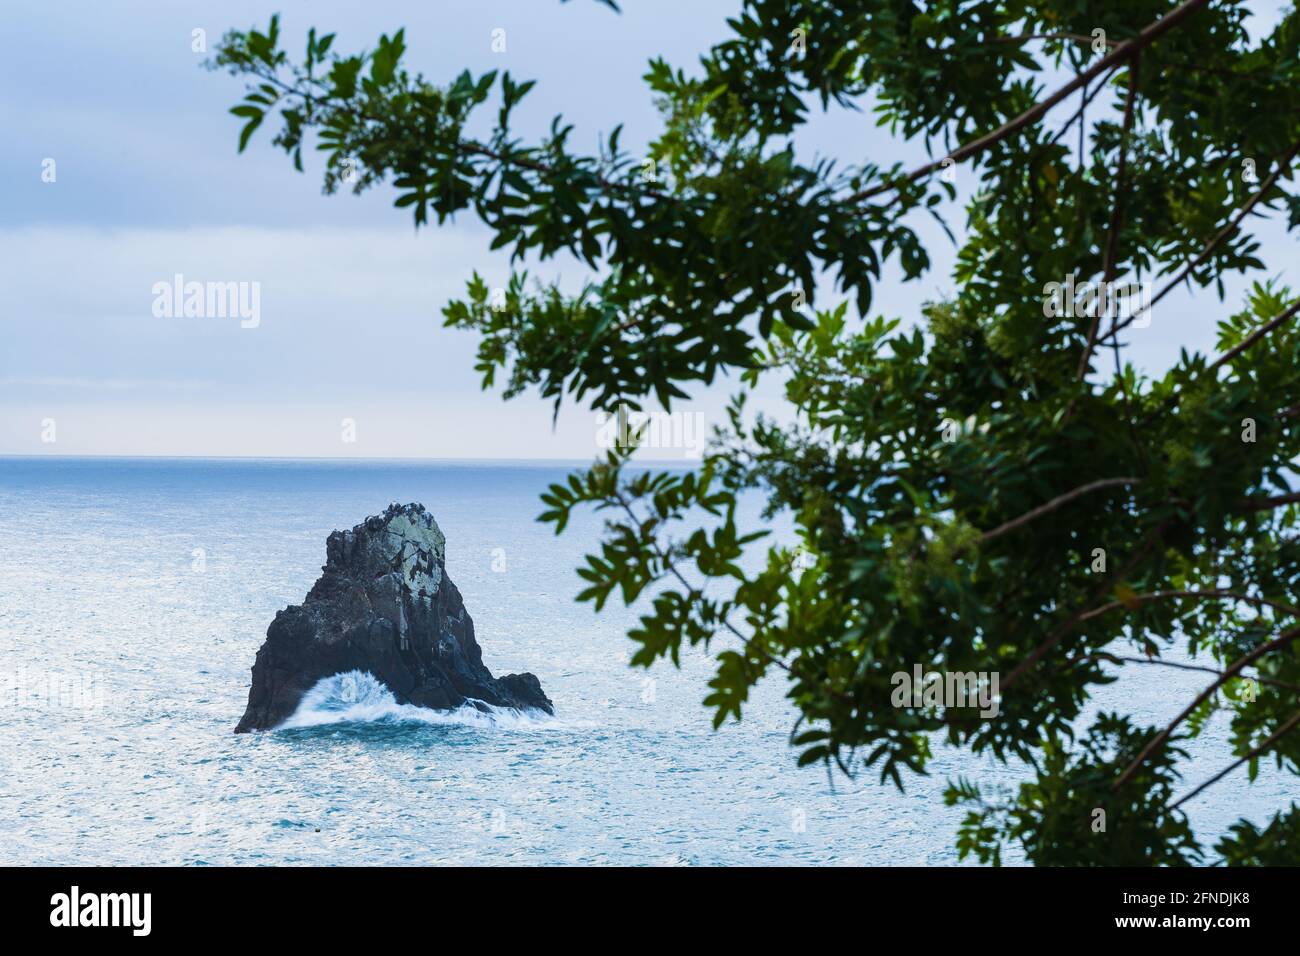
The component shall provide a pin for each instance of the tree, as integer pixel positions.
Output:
(988, 493)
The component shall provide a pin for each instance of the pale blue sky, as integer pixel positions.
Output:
(149, 185)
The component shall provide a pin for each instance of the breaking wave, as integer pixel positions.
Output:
(359, 697)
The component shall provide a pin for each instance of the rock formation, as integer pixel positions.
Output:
(383, 604)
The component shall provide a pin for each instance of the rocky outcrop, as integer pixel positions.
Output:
(384, 605)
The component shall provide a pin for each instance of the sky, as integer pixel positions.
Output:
(148, 185)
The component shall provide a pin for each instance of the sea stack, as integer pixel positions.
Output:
(384, 605)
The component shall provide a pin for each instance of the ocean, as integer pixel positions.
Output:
(134, 594)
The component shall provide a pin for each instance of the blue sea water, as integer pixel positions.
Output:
(134, 594)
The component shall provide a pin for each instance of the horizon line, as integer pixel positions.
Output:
(327, 458)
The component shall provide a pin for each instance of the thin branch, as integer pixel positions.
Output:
(1283, 166)
(271, 76)
(1128, 405)
(1118, 203)
(1121, 53)
(1059, 633)
(1268, 504)
(1083, 107)
(1083, 126)
(1071, 37)
(1288, 314)
(1111, 259)
(1171, 401)
(1058, 502)
(1164, 595)
(1255, 752)
(671, 567)
(1156, 742)
(1177, 665)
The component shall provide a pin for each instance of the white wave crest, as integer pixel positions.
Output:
(360, 697)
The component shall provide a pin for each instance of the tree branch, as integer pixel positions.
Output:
(1172, 400)
(1058, 502)
(1156, 742)
(671, 567)
(1283, 166)
(1286, 315)
(1071, 37)
(1057, 635)
(1083, 107)
(1036, 112)
(1109, 260)
(1162, 595)
(1268, 504)
(1177, 665)
(1255, 752)
(296, 89)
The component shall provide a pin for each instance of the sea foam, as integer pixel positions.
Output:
(360, 697)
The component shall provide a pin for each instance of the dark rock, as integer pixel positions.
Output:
(385, 605)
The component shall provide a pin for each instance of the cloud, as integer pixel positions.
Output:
(107, 384)
(350, 329)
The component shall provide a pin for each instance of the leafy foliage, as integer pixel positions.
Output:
(955, 483)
